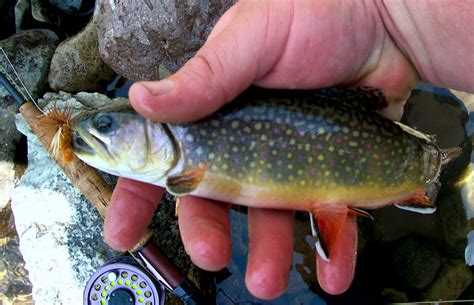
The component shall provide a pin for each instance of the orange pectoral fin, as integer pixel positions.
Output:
(329, 222)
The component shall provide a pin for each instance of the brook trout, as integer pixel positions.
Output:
(283, 149)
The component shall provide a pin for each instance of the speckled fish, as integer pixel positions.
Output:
(283, 149)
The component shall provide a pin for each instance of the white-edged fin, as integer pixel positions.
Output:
(362, 213)
(317, 241)
(417, 209)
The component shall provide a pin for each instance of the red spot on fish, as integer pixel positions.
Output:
(386, 149)
(283, 145)
(264, 154)
(301, 158)
(370, 145)
(220, 147)
(339, 140)
(352, 156)
(264, 178)
(333, 163)
(237, 161)
(301, 133)
(319, 146)
(312, 170)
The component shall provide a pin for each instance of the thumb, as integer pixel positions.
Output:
(226, 65)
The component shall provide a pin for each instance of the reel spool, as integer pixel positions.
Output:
(122, 281)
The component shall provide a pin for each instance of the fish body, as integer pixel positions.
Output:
(271, 148)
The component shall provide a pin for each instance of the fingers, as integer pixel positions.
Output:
(130, 212)
(270, 252)
(233, 57)
(205, 231)
(336, 276)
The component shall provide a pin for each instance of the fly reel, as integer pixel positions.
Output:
(122, 281)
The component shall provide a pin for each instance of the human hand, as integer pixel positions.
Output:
(274, 44)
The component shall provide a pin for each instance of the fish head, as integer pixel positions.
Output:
(124, 144)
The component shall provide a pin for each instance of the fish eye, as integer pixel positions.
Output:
(103, 123)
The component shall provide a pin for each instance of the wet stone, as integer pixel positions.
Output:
(391, 295)
(77, 65)
(30, 53)
(414, 262)
(452, 279)
(137, 39)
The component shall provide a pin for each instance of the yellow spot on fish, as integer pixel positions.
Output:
(340, 152)
(202, 132)
(214, 167)
(310, 159)
(345, 130)
(235, 149)
(258, 126)
(199, 151)
(307, 147)
(326, 173)
(212, 156)
(378, 139)
(348, 169)
(234, 124)
(210, 142)
(356, 133)
(263, 137)
(321, 130)
(292, 142)
(300, 172)
(291, 178)
(247, 129)
(289, 131)
(331, 148)
(274, 152)
(365, 134)
(271, 142)
(226, 155)
(231, 138)
(320, 157)
(252, 164)
(289, 155)
(290, 166)
(223, 131)
(269, 165)
(189, 138)
(215, 123)
(302, 182)
(336, 174)
(225, 166)
(353, 144)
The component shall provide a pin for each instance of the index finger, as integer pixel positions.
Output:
(130, 212)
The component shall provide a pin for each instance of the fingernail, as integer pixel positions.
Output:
(159, 87)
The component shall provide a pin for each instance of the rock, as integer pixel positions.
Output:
(30, 53)
(391, 295)
(15, 287)
(50, 216)
(137, 38)
(414, 262)
(10, 168)
(452, 279)
(76, 64)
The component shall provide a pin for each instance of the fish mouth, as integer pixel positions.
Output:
(80, 145)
